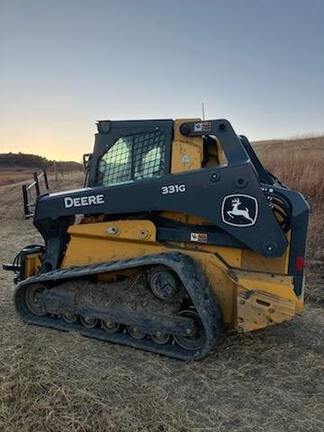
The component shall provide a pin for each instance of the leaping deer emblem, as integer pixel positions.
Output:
(239, 212)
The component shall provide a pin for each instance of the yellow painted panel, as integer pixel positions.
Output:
(259, 309)
(32, 264)
(254, 261)
(116, 230)
(96, 243)
(187, 152)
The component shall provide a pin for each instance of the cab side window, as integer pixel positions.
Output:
(133, 157)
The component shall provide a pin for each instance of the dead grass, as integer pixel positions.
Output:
(9, 176)
(13, 175)
(267, 381)
(298, 164)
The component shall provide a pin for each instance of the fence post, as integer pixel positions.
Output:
(55, 171)
(25, 197)
(36, 183)
(45, 178)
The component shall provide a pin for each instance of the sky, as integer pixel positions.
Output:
(66, 63)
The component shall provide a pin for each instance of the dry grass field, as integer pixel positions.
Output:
(25, 174)
(268, 381)
(14, 175)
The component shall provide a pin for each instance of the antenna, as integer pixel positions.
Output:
(203, 110)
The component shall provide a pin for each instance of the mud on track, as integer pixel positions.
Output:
(271, 380)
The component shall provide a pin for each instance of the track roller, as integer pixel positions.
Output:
(70, 317)
(197, 338)
(160, 338)
(110, 326)
(135, 332)
(88, 322)
(34, 299)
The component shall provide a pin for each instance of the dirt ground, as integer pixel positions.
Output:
(270, 380)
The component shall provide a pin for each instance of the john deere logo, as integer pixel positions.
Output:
(239, 210)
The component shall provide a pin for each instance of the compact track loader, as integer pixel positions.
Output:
(178, 233)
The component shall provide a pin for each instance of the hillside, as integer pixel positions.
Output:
(16, 167)
(34, 161)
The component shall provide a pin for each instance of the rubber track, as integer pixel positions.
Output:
(189, 273)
